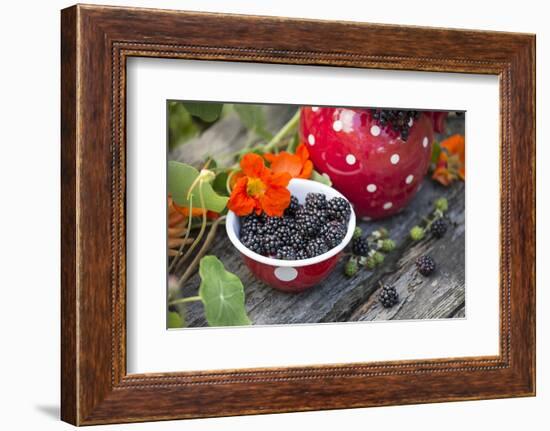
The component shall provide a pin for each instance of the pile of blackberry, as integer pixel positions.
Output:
(304, 231)
(398, 121)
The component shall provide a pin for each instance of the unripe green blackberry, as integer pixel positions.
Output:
(387, 245)
(371, 262)
(441, 204)
(417, 233)
(351, 268)
(357, 232)
(378, 257)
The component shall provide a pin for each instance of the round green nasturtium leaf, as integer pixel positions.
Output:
(181, 177)
(222, 294)
(175, 320)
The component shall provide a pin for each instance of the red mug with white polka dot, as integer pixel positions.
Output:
(292, 275)
(375, 167)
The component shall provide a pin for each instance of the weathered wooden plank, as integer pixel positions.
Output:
(339, 299)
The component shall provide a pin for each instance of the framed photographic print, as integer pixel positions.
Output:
(264, 217)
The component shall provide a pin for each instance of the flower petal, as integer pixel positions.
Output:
(239, 201)
(306, 170)
(280, 179)
(302, 152)
(455, 144)
(275, 200)
(252, 165)
(286, 162)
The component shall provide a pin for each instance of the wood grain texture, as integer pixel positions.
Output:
(96, 41)
(338, 298)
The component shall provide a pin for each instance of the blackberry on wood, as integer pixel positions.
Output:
(360, 247)
(339, 209)
(439, 227)
(425, 265)
(388, 296)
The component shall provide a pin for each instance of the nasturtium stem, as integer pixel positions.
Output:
(201, 232)
(180, 251)
(184, 300)
(291, 124)
(276, 140)
(202, 251)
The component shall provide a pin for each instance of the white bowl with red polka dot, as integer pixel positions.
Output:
(292, 275)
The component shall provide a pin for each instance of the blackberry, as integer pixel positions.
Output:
(301, 254)
(425, 265)
(316, 201)
(308, 223)
(339, 209)
(397, 121)
(292, 207)
(272, 224)
(295, 240)
(388, 296)
(360, 247)
(253, 242)
(284, 233)
(271, 243)
(316, 246)
(250, 224)
(333, 233)
(439, 227)
(286, 253)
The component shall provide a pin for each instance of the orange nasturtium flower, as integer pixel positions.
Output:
(259, 189)
(297, 165)
(452, 161)
(195, 212)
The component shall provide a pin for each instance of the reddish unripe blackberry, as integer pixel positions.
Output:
(425, 265)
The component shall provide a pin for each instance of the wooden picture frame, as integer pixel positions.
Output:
(96, 41)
